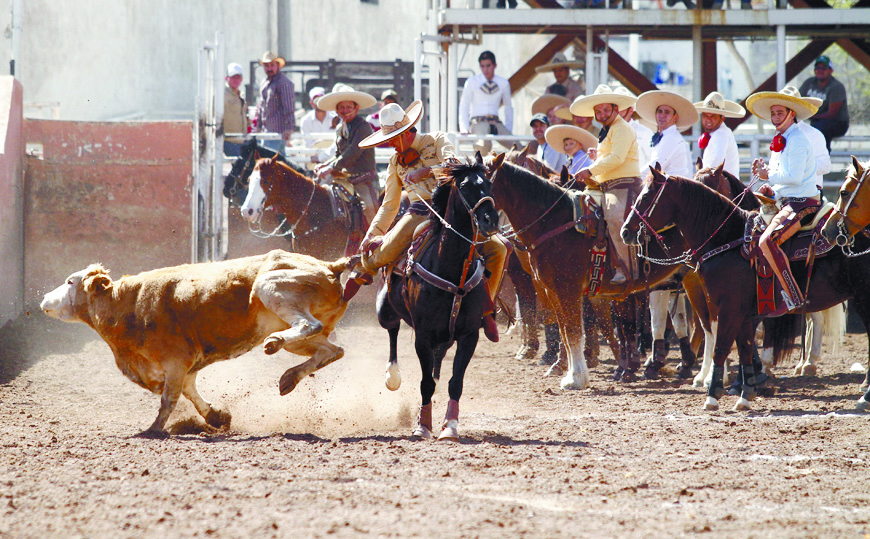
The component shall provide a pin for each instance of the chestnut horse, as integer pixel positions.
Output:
(307, 207)
(536, 207)
(708, 221)
(442, 295)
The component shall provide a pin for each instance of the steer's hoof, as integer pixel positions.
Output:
(422, 432)
(808, 370)
(711, 405)
(218, 418)
(742, 405)
(289, 381)
(862, 405)
(393, 377)
(450, 432)
(272, 344)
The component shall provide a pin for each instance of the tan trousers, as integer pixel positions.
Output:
(485, 127)
(614, 214)
(399, 238)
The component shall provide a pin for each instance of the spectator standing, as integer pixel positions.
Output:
(833, 116)
(717, 142)
(561, 68)
(316, 121)
(387, 97)
(276, 110)
(235, 111)
(482, 96)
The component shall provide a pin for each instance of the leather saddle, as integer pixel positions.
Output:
(798, 246)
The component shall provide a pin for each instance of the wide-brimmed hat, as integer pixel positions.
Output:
(343, 92)
(648, 102)
(564, 113)
(585, 104)
(559, 60)
(547, 102)
(789, 97)
(557, 134)
(394, 122)
(270, 56)
(715, 103)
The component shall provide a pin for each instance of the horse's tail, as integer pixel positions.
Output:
(835, 326)
(342, 264)
(781, 333)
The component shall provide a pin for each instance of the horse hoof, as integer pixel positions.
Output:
(699, 382)
(574, 382)
(808, 370)
(797, 370)
(617, 374)
(651, 373)
(628, 377)
(711, 405)
(862, 405)
(684, 373)
(526, 352)
(742, 405)
(422, 433)
(393, 377)
(450, 433)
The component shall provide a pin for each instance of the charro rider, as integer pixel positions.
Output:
(718, 142)
(791, 177)
(414, 168)
(615, 168)
(357, 162)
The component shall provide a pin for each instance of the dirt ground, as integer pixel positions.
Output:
(334, 458)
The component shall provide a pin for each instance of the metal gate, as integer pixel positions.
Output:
(209, 209)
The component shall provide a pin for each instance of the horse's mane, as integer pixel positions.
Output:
(453, 172)
(748, 202)
(701, 204)
(531, 187)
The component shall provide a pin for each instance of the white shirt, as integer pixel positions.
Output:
(476, 102)
(310, 124)
(820, 149)
(722, 148)
(554, 159)
(644, 136)
(792, 172)
(672, 153)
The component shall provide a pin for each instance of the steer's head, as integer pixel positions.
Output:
(69, 301)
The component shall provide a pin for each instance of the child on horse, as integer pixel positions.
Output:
(414, 169)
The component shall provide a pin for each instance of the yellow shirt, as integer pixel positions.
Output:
(434, 148)
(617, 154)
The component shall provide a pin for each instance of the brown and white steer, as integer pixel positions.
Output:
(165, 325)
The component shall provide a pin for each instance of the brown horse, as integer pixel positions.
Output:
(561, 261)
(308, 209)
(709, 221)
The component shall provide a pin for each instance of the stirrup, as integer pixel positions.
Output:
(790, 303)
(618, 277)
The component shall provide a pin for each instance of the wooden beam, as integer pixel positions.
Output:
(799, 61)
(623, 71)
(858, 49)
(527, 72)
(710, 72)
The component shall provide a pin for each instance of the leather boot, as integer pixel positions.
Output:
(688, 359)
(490, 328)
(792, 297)
(552, 339)
(658, 361)
(353, 284)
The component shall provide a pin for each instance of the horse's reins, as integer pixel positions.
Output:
(555, 232)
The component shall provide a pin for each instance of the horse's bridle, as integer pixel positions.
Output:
(292, 230)
(252, 158)
(843, 237)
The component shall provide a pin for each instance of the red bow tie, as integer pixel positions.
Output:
(704, 140)
(778, 143)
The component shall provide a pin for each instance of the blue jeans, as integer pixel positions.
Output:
(831, 129)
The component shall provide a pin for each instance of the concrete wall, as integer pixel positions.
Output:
(114, 193)
(11, 208)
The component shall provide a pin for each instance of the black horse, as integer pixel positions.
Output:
(236, 182)
(465, 216)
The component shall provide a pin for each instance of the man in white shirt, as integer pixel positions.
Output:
(671, 113)
(482, 96)
(318, 120)
(717, 142)
(816, 138)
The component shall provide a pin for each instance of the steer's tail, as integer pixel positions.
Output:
(342, 264)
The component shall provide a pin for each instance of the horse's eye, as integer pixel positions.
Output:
(844, 193)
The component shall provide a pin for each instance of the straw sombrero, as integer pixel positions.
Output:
(394, 122)
(648, 102)
(342, 92)
(585, 105)
(548, 101)
(564, 113)
(557, 134)
(789, 97)
(715, 103)
(559, 60)
(270, 56)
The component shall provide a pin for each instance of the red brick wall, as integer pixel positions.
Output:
(11, 209)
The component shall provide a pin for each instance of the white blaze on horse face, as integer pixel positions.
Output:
(59, 302)
(252, 209)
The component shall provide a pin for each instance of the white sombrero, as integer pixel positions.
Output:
(585, 105)
(715, 103)
(342, 92)
(557, 134)
(648, 102)
(549, 101)
(394, 122)
(789, 97)
(559, 60)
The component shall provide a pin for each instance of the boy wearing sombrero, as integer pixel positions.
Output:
(574, 142)
(561, 68)
(717, 142)
(791, 177)
(615, 169)
(358, 163)
(276, 110)
(414, 169)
